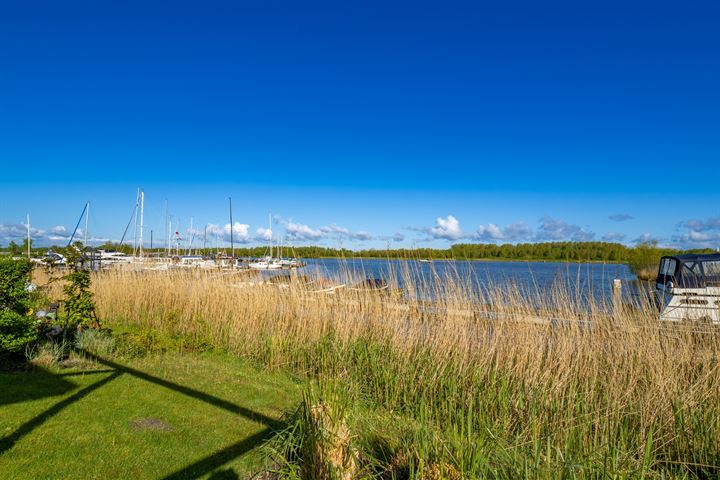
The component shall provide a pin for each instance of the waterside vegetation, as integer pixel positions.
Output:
(443, 382)
(447, 390)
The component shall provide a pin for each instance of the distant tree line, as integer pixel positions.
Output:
(643, 256)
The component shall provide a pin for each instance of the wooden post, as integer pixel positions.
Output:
(617, 298)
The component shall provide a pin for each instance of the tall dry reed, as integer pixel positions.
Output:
(504, 380)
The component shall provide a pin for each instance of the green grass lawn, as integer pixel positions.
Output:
(162, 416)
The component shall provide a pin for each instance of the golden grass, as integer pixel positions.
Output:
(539, 374)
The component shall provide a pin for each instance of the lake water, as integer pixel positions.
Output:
(593, 279)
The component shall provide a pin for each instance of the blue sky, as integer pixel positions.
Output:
(364, 124)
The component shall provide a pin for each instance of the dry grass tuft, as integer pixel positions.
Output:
(331, 454)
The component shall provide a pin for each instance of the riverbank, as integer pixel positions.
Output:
(422, 391)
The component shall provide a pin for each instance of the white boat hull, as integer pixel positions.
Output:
(679, 305)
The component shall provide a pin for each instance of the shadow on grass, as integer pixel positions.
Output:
(190, 392)
(221, 457)
(227, 474)
(83, 373)
(7, 443)
(20, 387)
(58, 386)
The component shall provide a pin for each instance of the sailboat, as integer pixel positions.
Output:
(269, 262)
(266, 263)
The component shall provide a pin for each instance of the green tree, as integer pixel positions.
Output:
(14, 248)
(24, 247)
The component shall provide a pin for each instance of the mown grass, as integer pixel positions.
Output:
(166, 415)
(451, 378)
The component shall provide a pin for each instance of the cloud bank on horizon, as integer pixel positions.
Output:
(693, 233)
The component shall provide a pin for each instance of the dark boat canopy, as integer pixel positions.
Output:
(690, 270)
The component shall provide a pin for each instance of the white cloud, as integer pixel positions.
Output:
(447, 228)
(57, 238)
(361, 236)
(552, 229)
(346, 232)
(645, 238)
(614, 237)
(697, 239)
(700, 234)
(240, 232)
(491, 232)
(264, 234)
(18, 231)
(332, 228)
(702, 226)
(395, 237)
(512, 233)
(299, 231)
(41, 237)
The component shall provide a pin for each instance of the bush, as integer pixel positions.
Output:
(645, 259)
(79, 304)
(16, 331)
(14, 276)
(17, 328)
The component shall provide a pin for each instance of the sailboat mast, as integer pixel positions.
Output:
(169, 231)
(142, 212)
(165, 226)
(270, 235)
(28, 234)
(192, 235)
(137, 201)
(87, 221)
(177, 237)
(232, 242)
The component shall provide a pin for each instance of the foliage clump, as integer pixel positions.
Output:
(645, 259)
(79, 305)
(17, 325)
(50, 328)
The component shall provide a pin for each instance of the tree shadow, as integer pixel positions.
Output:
(50, 384)
(83, 373)
(25, 386)
(226, 474)
(191, 392)
(221, 457)
(7, 443)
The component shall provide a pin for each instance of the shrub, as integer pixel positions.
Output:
(14, 275)
(16, 331)
(645, 259)
(79, 304)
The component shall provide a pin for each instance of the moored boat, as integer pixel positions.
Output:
(688, 288)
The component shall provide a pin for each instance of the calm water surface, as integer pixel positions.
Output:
(593, 279)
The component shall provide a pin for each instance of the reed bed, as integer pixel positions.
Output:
(501, 381)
